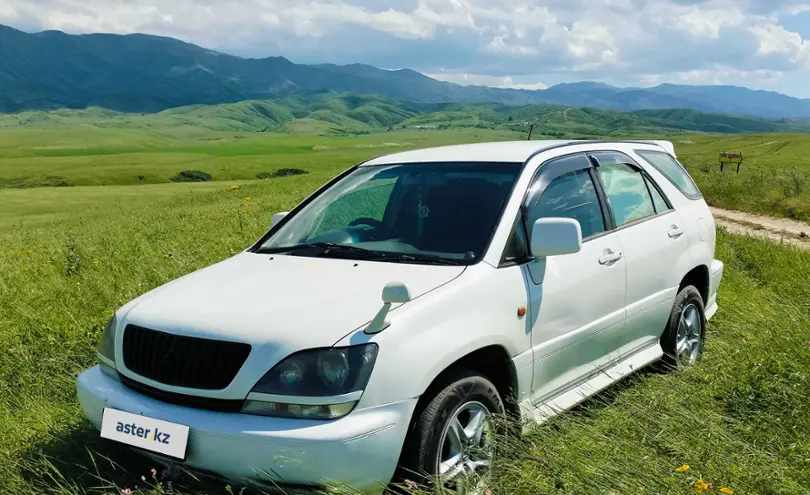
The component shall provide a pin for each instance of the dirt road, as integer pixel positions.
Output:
(774, 229)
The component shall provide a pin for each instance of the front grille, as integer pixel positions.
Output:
(182, 361)
(207, 403)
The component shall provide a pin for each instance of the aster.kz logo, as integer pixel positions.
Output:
(141, 432)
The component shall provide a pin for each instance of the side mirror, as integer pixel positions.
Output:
(278, 217)
(395, 292)
(555, 236)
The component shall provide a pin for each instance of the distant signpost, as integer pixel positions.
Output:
(732, 158)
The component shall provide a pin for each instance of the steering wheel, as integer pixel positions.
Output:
(373, 222)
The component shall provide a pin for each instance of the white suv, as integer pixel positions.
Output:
(374, 329)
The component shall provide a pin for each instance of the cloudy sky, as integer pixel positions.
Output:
(763, 44)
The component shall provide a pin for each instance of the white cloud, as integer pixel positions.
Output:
(703, 21)
(728, 75)
(7, 13)
(485, 80)
(798, 9)
(775, 39)
(500, 45)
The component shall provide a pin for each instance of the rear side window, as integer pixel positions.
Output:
(673, 171)
(627, 193)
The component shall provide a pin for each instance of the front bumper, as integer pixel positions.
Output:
(359, 451)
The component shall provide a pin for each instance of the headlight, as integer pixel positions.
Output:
(106, 349)
(314, 384)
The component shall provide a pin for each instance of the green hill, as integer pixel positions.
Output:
(330, 113)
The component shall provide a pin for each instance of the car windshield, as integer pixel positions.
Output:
(402, 213)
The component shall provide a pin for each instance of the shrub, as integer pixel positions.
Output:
(54, 181)
(282, 172)
(794, 182)
(192, 176)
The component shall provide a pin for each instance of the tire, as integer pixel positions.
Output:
(459, 395)
(688, 304)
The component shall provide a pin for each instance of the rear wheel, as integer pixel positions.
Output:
(451, 438)
(685, 332)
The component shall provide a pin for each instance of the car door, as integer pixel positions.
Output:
(577, 300)
(654, 247)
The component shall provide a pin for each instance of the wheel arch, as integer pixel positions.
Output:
(698, 277)
(494, 363)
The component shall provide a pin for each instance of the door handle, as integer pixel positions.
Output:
(675, 231)
(610, 257)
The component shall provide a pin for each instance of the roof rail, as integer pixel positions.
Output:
(665, 145)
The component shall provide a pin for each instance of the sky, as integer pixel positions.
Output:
(762, 44)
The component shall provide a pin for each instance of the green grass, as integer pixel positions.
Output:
(773, 178)
(70, 256)
(92, 157)
(331, 132)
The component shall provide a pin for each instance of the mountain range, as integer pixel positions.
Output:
(145, 74)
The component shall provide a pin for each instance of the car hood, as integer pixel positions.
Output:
(286, 303)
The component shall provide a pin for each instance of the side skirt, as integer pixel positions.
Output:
(592, 385)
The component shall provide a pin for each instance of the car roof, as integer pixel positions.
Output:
(501, 151)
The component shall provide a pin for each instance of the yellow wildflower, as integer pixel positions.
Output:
(25, 252)
(701, 486)
(682, 469)
(248, 199)
(727, 491)
(96, 261)
(233, 188)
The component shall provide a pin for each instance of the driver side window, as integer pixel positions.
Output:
(571, 195)
(369, 201)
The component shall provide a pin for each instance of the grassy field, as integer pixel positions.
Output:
(773, 178)
(92, 157)
(70, 255)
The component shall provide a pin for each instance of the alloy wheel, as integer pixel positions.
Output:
(465, 443)
(690, 336)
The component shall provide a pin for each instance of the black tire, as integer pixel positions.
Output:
(418, 462)
(688, 296)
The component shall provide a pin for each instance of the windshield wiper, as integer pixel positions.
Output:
(322, 248)
(326, 248)
(421, 259)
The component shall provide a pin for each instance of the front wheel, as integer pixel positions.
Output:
(685, 332)
(452, 435)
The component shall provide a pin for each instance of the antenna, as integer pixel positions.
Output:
(531, 128)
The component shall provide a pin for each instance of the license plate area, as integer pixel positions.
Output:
(154, 435)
